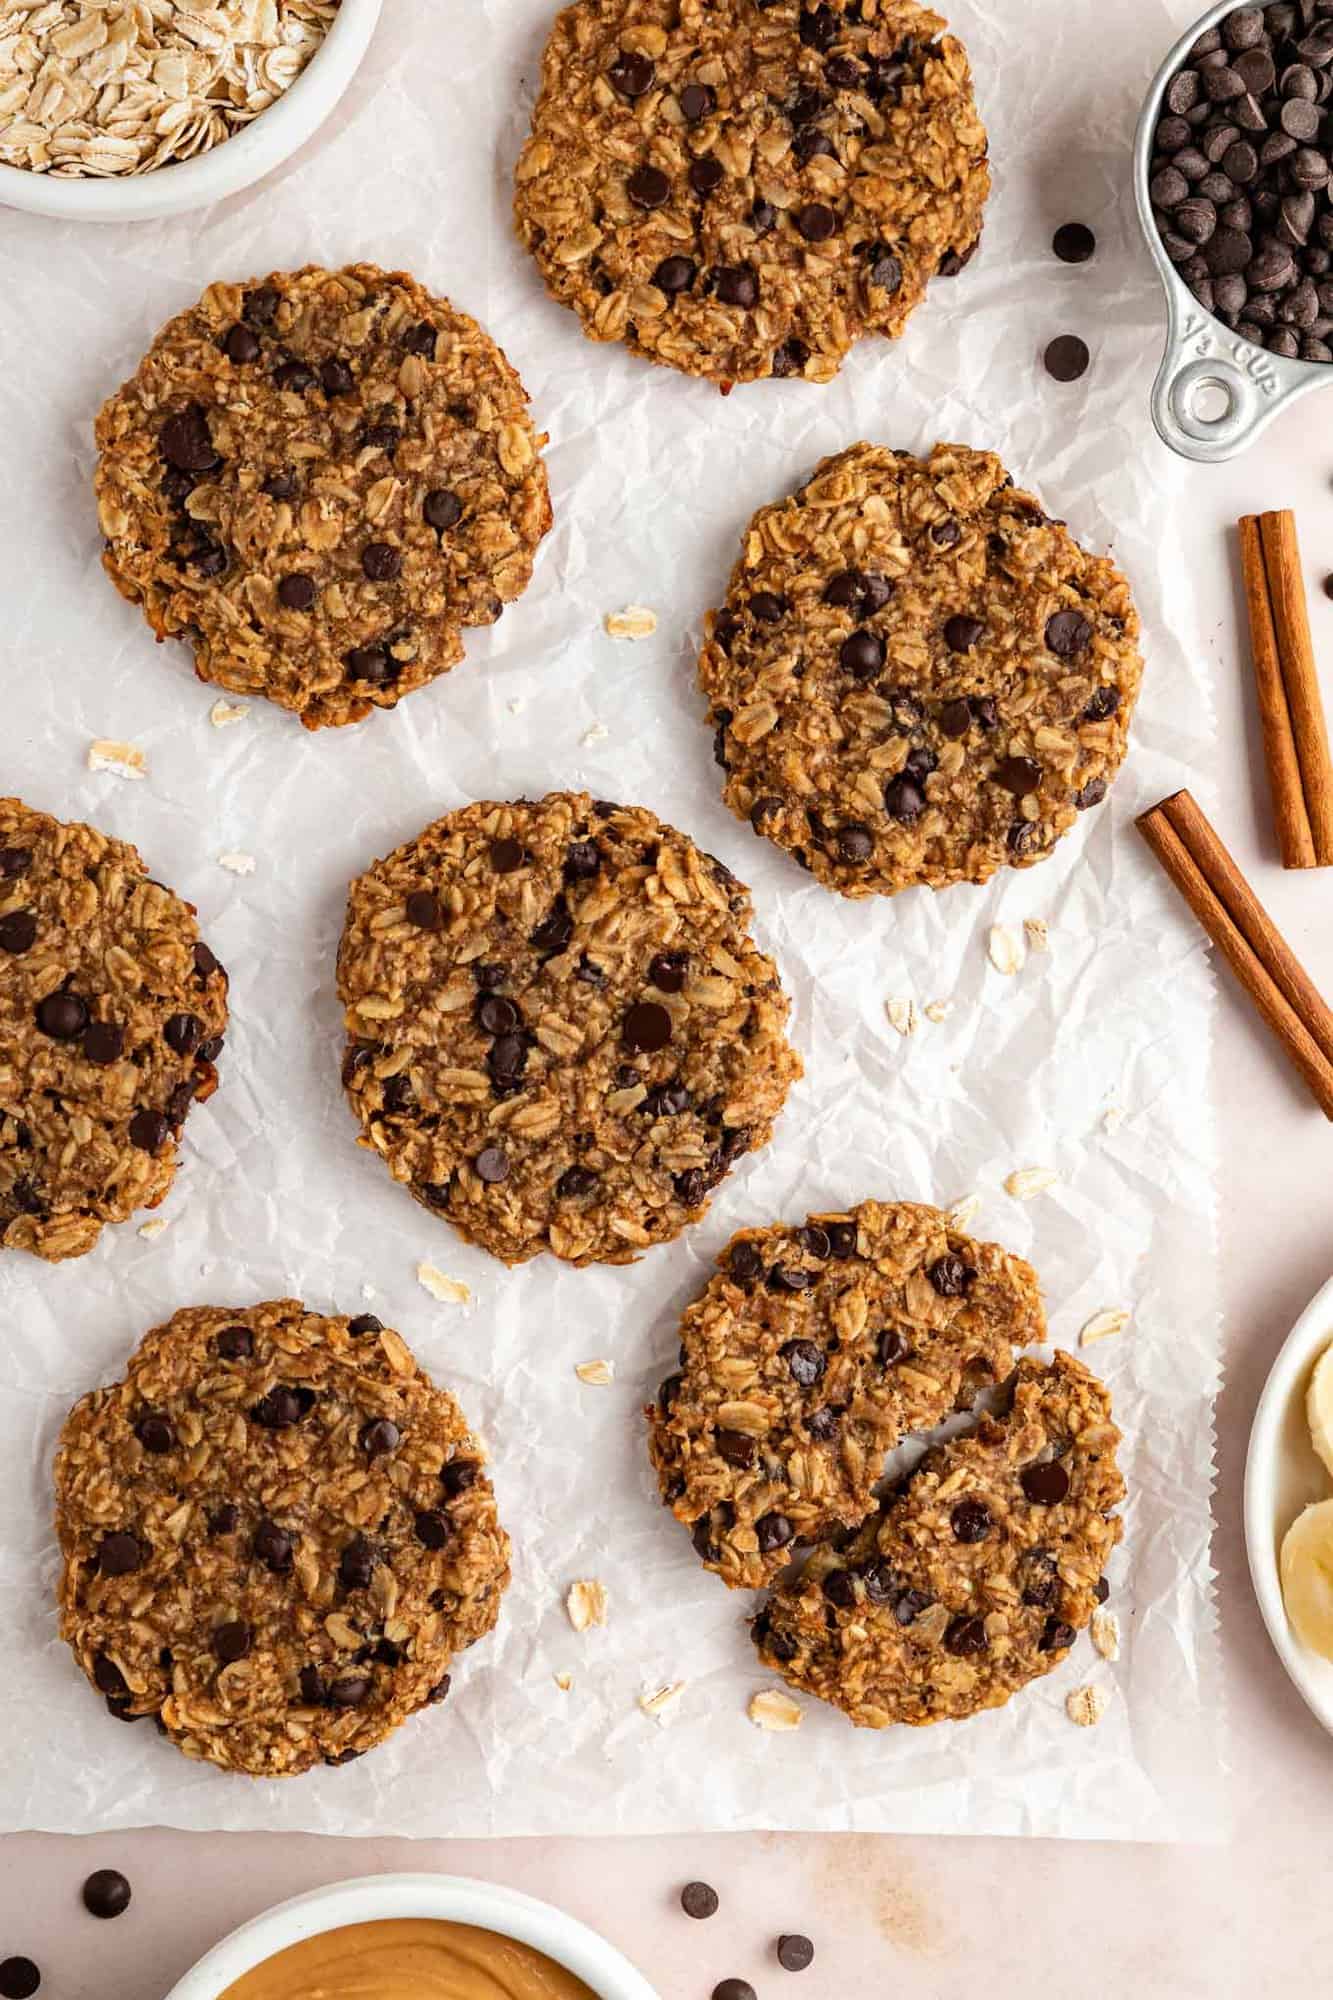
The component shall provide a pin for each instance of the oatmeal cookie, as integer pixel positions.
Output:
(561, 1035)
(112, 1013)
(739, 189)
(315, 479)
(917, 677)
(974, 1577)
(806, 1360)
(276, 1535)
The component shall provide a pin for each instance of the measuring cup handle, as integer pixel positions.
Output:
(1215, 392)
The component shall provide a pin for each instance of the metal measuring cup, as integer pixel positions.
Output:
(1214, 392)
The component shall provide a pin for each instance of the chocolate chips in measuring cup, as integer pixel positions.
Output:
(1242, 175)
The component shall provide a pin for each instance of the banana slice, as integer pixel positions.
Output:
(1319, 1406)
(1306, 1565)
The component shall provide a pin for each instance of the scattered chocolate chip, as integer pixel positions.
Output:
(735, 1448)
(962, 634)
(736, 285)
(699, 1900)
(950, 1276)
(734, 1989)
(364, 1323)
(236, 1343)
(492, 1166)
(185, 443)
(706, 175)
(380, 1437)
(795, 1953)
(106, 1893)
(631, 73)
(460, 1475)
(442, 509)
(183, 1033)
(370, 663)
(381, 562)
(120, 1555)
(1074, 243)
(62, 1016)
(965, 1636)
(232, 1641)
(674, 274)
(1068, 633)
(148, 1130)
(745, 1262)
(1091, 794)
(904, 799)
(19, 1979)
(862, 655)
(424, 911)
(648, 187)
(432, 1528)
(884, 272)
(773, 1531)
(18, 932)
(1056, 1636)
(815, 222)
(296, 592)
(1045, 1484)
(856, 844)
(647, 1027)
(697, 101)
(971, 1521)
(1103, 1590)
(280, 1409)
(1067, 357)
(156, 1433)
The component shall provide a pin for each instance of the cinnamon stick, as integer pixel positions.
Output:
(1291, 712)
(1283, 994)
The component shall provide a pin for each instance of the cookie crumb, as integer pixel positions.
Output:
(598, 733)
(1037, 933)
(1103, 1325)
(902, 1015)
(775, 1711)
(1029, 1181)
(449, 1291)
(223, 714)
(661, 1703)
(123, 760)
(563, 1681)
(636, 621)
(1113, 1118)
(1106, 1634)
(937, 1010)
(597, 1374)
(586, 1603)
(157, 1225)
(1004, 950)
(964, 1211)
(1087, 1705)
(237, 863)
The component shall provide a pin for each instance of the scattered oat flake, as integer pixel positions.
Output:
(126, 760)
(965, 1211)
(597, 1374)
(1106, 1634)
(1004, 950)
(586, 1603)
(597, 734)
(223, 714)
(1037, 932)
(1030, 1181)
(1113, 1117)
(1087, 1705)
(564, 1682)
(636, 621)
(662, 1701)
(937, 1010)
(902, 1015)
(773, 1710)
(517, 706)
(156, 1226)
(449, 1291)
(1104, 1325)
(237, 863)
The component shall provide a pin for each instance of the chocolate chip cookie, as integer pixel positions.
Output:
(112, 1013)
(807, 1359)
(316, 479)
(276, 1536)
(561, 1035)
(740, 189)
(918, 677)
(974, 1577)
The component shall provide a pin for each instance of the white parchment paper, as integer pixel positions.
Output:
(653, 478)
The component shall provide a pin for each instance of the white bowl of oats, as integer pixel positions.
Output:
(116, 111)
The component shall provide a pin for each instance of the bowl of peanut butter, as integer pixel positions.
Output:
(413, 1937)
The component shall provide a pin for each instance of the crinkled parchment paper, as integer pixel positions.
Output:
(1090, 1059)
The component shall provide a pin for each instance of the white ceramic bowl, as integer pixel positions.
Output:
(265, 143)
(457, 1898)
(1283, 1474)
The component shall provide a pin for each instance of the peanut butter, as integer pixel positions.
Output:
(417, 1958)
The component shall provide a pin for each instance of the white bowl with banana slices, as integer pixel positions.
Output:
(1289, 1505)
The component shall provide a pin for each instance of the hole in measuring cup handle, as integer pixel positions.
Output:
(1214, 392)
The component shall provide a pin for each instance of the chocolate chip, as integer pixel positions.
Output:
(962, 634)
(955, 718)
(735, 1448)
(19, 1979)
(349, 1692)
(236, 1343)
(648, 187)
(904, 799)
(795, 1953)
(736, 285)
(424, 911)
(432, 1528)
(773, 1531)
(370, 663)
(1068, 633)
(1073, 243)
(1104, 703)
(241, 346)
(950, 1276)
(734, 1989)
(380, 1437)
(884, 272)
(965, 1636)
(183, 1033)
(281, 1408)
(582, 861)
(273, 1547)
(1067, 357)
(185, 443)
(745, 1262)
(14, 861)
(1103, 1590)
(856, 844)
(62, 1016)
(805, 1361)
(1056, 1637)
(381, 562)
(631, 73)
(107, 1677)
(156, 1433)
(1091, 794)
(441, 509)
(120, 1555)
(336, 378)
(1045, 1484)
(460, 1475)
(699, 1900)
(706, 175)
(697, 101)
(357, 1564)
(647, 1027)
(363, 1324)
(297, 592)
(862, 655)
(148, 1130)
(674, 274)
(492, 1166)
(18, 932)
(971, 1521)
(815, 222)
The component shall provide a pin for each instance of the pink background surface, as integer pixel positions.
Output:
(943, 1917)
